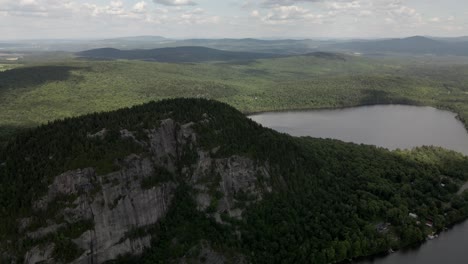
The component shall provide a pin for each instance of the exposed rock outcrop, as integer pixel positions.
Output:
(228, 184)
(40, 254)
(110, 207)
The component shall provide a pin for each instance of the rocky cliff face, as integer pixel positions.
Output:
(102, 213)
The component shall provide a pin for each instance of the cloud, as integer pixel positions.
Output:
(273, 3)
(345, 5)
(175, 2)
(287, 15)
(267, 3)
(36, 8)
(381, 10)
(196, 16)
(140, 7)
(114, 8)
(244, 18)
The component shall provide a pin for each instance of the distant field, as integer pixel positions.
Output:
(33, 95)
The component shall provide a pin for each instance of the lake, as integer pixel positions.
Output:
(392, 127)
(389, 126)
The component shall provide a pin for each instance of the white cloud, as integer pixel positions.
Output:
(252, 18)
(37, 8)
(267, 3)
(140, 7)
(288, 14)
(196, 16)
(175, 2)
(344, 5)
(255, 13)
(114, 8)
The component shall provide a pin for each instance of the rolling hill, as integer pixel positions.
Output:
(175, 55)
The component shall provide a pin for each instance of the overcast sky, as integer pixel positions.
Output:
(28, 19)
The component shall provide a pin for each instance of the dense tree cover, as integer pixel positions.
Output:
(328, 196)
(313, 81)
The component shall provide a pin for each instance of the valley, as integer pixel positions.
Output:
(315, 81)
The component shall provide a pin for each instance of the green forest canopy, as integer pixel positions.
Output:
(42, 92)
(327, 201)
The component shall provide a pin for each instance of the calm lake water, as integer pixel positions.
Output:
(392, 127)
(389, 126)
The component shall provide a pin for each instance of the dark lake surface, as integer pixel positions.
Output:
(392, 127)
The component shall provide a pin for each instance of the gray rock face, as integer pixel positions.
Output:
(44, 231)
(40, 254)
(114, 205)
(228, 184)
(166, 143)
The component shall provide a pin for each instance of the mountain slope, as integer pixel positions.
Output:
(411, 45)
(178, 54)
(191, 180)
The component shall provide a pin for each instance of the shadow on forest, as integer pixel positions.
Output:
(246, 62)
(382, 97)
(8, 132)
(327, 56)
(33, 76)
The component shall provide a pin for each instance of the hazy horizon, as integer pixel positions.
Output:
(182, 19)
(236, 38)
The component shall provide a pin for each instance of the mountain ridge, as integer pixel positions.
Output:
(195, 180)
(412, 45)
(175, 54)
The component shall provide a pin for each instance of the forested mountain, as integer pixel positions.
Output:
(195, 180)
(451, 39)
(277, 46)
(176, 55)
(415, 45)
(412, 45)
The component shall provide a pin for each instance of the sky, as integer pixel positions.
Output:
(52, 19)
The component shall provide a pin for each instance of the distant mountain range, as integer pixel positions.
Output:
(138, 38)
(417, 45)
(175, 55)
(197, 53)
(414, 45)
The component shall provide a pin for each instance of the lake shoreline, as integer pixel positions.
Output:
(413, 247)
(298, 123)
(305, 109)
